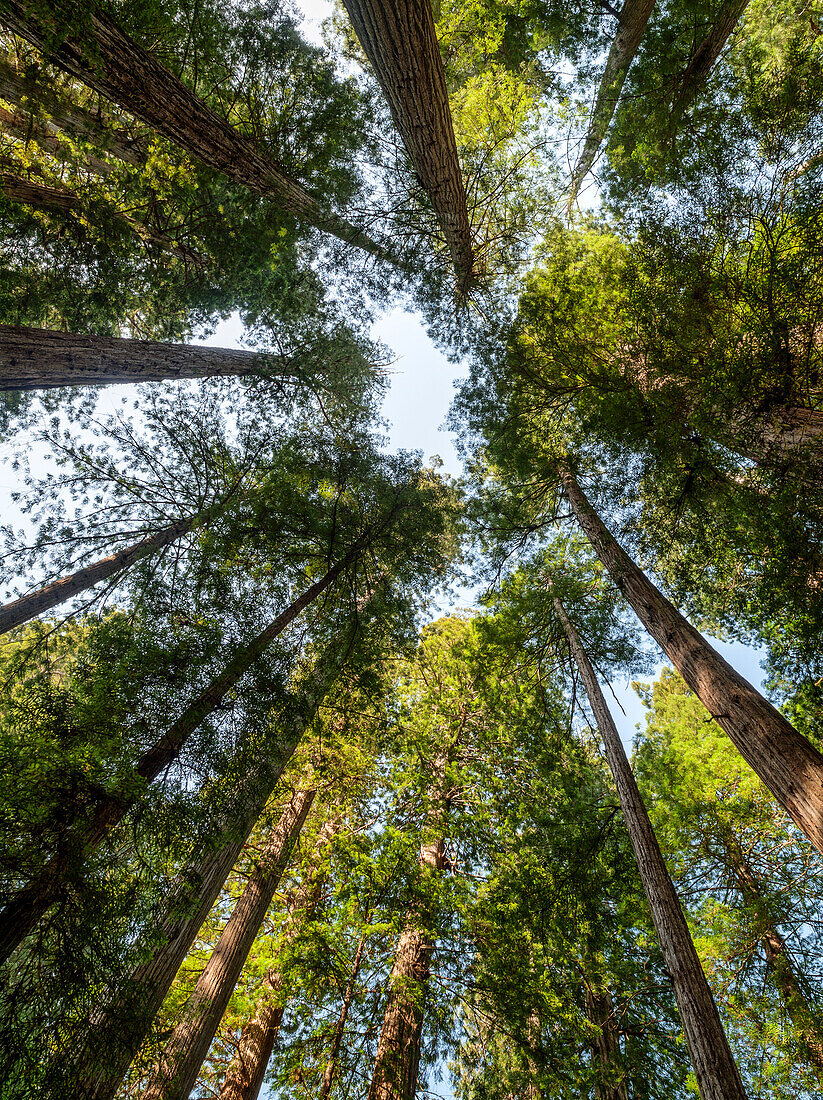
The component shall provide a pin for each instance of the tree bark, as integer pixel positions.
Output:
(704, 58)
(35, 358)
(21, 90)
(398, 1050)
(634, 15)
(399, 39)
(606, 1045)
(40, 196)
(714, 1067)
(339, 1027)
(24, 912)
(183, 1056)
(25, 127)
(787, 763)
(245, 1075)
(112, 63)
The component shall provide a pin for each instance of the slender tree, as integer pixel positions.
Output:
(399, 40)
(714, 1066)
(787, 763)
(703, 60)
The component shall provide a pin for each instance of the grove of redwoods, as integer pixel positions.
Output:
(272, 823)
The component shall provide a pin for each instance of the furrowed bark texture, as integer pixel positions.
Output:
(398, 1050)
(114, 65)
(183, 1056)
(714, 1067)
(99, 1067)
(35, 359)
(26, 128)
(23, 90)
(634, 15)
(38, 195)
(244, 1077)
(399, 39)
(705, 57)
(787, 763)
(52, 595)
(24, 912)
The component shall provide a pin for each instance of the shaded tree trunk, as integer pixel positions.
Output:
(787, 763)
(24, 912)
(35, 358)
(705, 57)
(715, 1069)
(112, 63)
(631, 24)
(183, 1055)
(399, 39)
(22, 90)
(606, 1045)
(245, 1075)
(39, 196)
(398, 1050)
(26, 128)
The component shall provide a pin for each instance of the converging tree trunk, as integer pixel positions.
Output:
(714, 1067)
(35, 358)
(112, 63)
(183, 1055)
(605, 1045)
(705, 57)
(26, 128)
(340, 1025)
(244, 1077)
(24, 912)
(631, 25)
(399, 39)
(787, 763)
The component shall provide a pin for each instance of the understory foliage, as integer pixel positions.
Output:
(305, 787)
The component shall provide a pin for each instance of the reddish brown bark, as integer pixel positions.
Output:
(112, 63)
(340, 1026)
(631, 24)
(40, 196)
(399, 39)
(27, 128)
(606, 1044)
(189, 1044)
(34, 358)
(23, 913)
(787, 763)
(714, 1067)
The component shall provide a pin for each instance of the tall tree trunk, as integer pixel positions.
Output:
(704, 58)
(714, 1067)
(36, 358)
(24, 912)
(606, 1044)
(398, 1050)
(631, 24)
(340, 1026)
(183, 1055)
(22, 90)
(26, 128)
(399, 39)
(787, 763)
(27, 607)
(112, 63)
(101, 1060)
(244, 1077)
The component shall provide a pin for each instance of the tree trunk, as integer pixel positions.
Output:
(704, 58)
(787, 763)
(714, 1067)
(245, 1075)
(398, 1049)
(35, 358)
(634, 15)
(38, 195)
(22, 91)
(28, 607)
(25, 127)
(112, 63)
(606, 1044)
(183, 1056)
(100, 1064)
(25, 911)
(399, 39)
(340, 1026)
